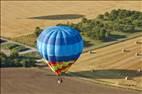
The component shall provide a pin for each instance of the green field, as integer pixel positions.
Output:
(88, 43)
(32, 55)
(12, 47)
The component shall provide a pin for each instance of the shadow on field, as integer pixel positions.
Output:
(2, 41)
(58, 17)
(106, 74)
(87, 43)
(114, 37)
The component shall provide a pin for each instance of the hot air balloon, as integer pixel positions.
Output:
(60, 46)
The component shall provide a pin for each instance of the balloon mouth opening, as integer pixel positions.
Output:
(59, 69)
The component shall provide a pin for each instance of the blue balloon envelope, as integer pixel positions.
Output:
(60, 46)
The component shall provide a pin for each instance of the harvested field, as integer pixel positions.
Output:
(21, 17)
(35, 81)
(112, 64)
(109, 64)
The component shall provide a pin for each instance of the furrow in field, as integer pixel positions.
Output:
(103, 60)
(110, 49)
(108, 58)
(124, 62)
(104, 63)
(102, 54)
(87, 61)
(122, 59)
(135, 64)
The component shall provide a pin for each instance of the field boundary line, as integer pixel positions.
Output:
(85, 49)
(105, 82)
(115, 42)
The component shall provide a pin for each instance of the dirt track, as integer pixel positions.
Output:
(35, 81)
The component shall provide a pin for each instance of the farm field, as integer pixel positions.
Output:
(36, 81)
(21, 17)
(109, 64)
(112, 65)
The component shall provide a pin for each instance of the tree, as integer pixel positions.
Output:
(136, 15)
(2, 55)
(120, 20)
(3, 59)
(137, 23)
(102, 34)
(84, 20)
(108, 33)
(14, 54)
(115, 27)
(106, 15)
(128, 28)
(16, 63)
(108, 26)
(38, 30)
(113, 15)
(101, 17)
(29, 63)
(96, 30)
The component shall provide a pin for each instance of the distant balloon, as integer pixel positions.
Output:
(60, 46)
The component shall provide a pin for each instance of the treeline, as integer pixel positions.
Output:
(100, 28)
(15, 60)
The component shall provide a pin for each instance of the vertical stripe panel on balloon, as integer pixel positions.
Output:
(51, 50)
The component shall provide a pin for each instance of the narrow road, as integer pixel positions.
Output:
(10, 41)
